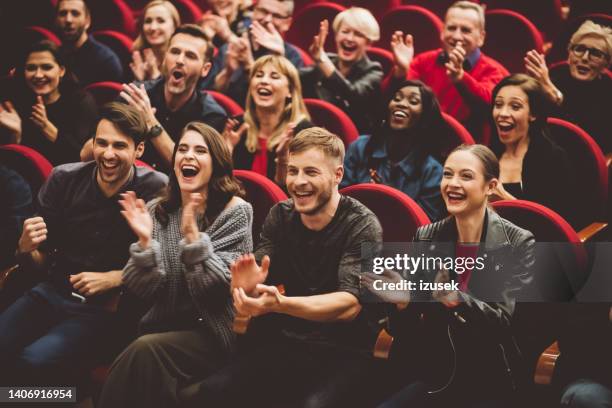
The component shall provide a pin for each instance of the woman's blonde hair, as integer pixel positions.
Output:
(359, 19)
(590, 29)
(295, 109)
(141, 42)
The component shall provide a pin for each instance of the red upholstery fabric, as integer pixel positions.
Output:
(231, 107)
(377, 7)
(136, 5)
(112, 15)
(547, 15)
(398, 214)
(140, 163)
(262, 193)
(13, 44)
(559, 49)
(509, 36)
(104, 92)
(457, 137)
(332, 118)
(120, 43)
(383, 56)
(188, 10)
(305, 24)
(37, 33)
(29, 163)
(581, 7)
(437, 7)
(424, 26)
(590, 166)
(306, 58)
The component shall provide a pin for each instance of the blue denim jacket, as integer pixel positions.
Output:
(422, 186)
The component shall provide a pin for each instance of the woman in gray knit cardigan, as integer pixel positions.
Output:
(180, 264)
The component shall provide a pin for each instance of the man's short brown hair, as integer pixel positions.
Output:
(127, 119)
(196, 31)
(319, 138)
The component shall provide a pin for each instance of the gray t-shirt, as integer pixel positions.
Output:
(310, 262)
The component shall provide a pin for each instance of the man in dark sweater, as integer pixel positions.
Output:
(174, 100)
(88, 59)
(80, 242)
(316, 329)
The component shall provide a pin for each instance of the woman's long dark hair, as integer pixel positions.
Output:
(221, 187)
(421, 135)
(539, 107)
(68, 83)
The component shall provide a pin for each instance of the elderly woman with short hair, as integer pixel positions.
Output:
(581, 90)
(347, 79)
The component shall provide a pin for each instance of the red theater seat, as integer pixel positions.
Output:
(457, 136)
(547, 15)
(120, 43)
(189, 11)
(385, 57)
(104, 92)
(305, 24)
(29, 163)
(262, 193)
(438, 7)
(378, 7)
(509, 36)
(332, 118)
(113, 15)
(231, 107)
(424, 26)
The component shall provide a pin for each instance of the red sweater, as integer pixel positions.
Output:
(478, 84)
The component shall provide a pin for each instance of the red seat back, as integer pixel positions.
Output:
(332, 118)
(262, 193)
(424, 26)
(112, 15)
(29, 163)
(189, 11)
(305, 24)
(509, 36)
(547, 15)
(378, 8)
(231, 107)
(385, 57)
(120, 43)
(398, 214)
(457, 136)
(438, 7)
(104, 92)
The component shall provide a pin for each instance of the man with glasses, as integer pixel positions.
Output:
(230, 72)
(581, 89)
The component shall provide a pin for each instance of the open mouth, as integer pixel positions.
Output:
(303, 194)
(264, 92)
(189, 170)
(505, 126)
(178, 75)
(583, 70)
(109, 165)
(455, 197)
(348, 47)
(40, 83)
(399, 114)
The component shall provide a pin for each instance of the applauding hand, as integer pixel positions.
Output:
(137, 217)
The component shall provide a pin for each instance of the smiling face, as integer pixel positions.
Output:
(72, 20)
(158, 25)
(193, 163)
(184, 63)
(312, 178)
(114, 154)
(351, 44)
(462, 25)
(405, 108)
(588, 65)
(511, 114)
(273, 11)
(269, 87)
(463, 186)
(43, 74)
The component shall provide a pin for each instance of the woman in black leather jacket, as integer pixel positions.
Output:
(459, 344)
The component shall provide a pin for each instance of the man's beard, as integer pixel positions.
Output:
(72, 38)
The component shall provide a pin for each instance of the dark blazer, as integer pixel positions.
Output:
(356, 94)
(471, 346)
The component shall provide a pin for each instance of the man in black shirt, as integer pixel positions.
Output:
(173, 100)
(88, 59)
(80, 240)
(316, 330)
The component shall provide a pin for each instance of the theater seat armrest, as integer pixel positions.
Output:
(609, 159)
(382, 348)
(591, 230)
(545, 366)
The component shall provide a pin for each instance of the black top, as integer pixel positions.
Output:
(243, 159)
(94, 62)
(201, 107)
(74, 115)
(310, 263)
(587, 104)
(356, 94)
(84, 226)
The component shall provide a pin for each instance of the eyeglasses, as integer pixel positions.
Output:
(265, 12)
(595, 55)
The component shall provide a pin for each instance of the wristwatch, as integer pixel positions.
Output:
(155, 131)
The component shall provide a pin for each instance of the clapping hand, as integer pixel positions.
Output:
(268, 38)
(317, 48)
(10, 119)
(454, 66)
(267, 301)
(189, 223)
(137, 217)
(246, 274)
(403, 52)
(231, 136)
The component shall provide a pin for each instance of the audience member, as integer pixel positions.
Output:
(158, 21)
(234, 61)
(275, 112)
(348, 79)
(62, 327)
(581, 91)
(88, 59)
(47, 110)
(187, 334)
(172, 101)
(533, 167)
(459, 73)
(459, 344)
(399, 151)
(226, 20)
(312, 245)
